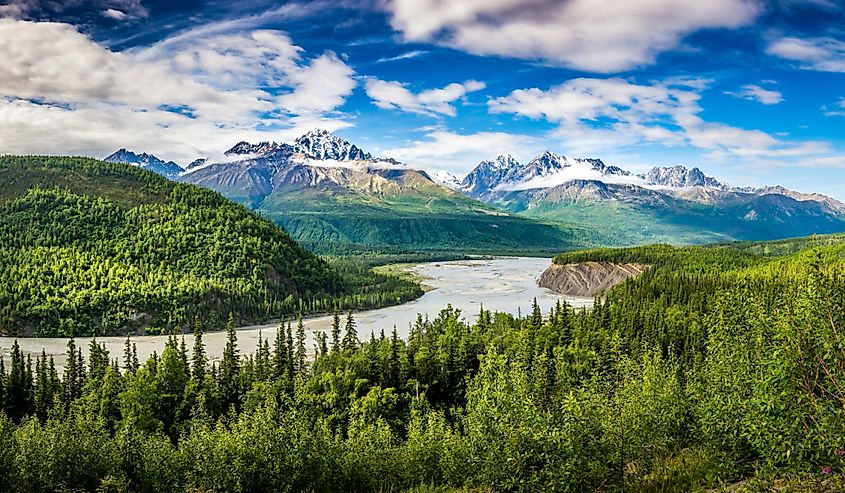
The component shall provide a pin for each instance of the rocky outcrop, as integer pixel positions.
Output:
(587, 278)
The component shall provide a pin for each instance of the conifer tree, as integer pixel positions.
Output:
(336, 331)
(230, 366)
(300, 347)
(350, 339)
(290, 355)
(128, 367)
(280, 353)
(199, 361)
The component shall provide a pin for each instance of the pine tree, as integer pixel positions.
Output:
(128, 367)
(71, 377)
(290, 354)
(350, 339)
(393, 367)
(230, 367)
(19, 398)
(300, 347)
(336, 331)
(280, 353)
(322, 343)
(198, 358)
(536, 315)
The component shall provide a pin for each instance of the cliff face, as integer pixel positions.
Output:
(587, 278)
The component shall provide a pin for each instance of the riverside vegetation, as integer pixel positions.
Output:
(716, 365)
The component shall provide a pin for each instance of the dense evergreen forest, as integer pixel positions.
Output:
(718, 366)
(95, 248)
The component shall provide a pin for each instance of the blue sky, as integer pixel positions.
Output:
(750, 91)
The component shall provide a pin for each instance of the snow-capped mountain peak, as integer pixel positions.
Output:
(245, 148)
(680, 177)
(322, 144)
(146, 161)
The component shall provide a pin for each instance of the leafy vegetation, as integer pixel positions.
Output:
(715, 366)
(88, 247)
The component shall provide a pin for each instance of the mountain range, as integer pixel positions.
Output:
(667, 204)
(327, 191)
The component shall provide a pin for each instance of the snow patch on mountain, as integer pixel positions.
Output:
(445, 178)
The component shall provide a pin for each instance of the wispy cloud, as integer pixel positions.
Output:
(822, 54)
(753, 92)
(402, 56)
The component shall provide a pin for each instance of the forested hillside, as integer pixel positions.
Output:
(716, 366)
(90, 248)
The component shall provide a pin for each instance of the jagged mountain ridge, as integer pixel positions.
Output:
(146, 161)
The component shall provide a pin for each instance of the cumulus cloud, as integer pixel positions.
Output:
(392, 95)
(615, 112)
(598, 36)
(174, 100)
(822, 54)
(753, 92)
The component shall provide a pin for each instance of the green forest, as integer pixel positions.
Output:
(94, 248)
(719, 367)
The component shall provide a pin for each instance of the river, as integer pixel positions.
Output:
(505, 284)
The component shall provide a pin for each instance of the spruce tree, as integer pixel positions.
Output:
(280, 353)
(300, 346)
(199, 361)
(350, 339)
(290, 353)
(127, 356)
(336, 331)
(230, 367)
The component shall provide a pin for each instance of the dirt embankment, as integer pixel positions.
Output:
(587, 278)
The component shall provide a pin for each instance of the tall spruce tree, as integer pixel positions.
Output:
(230, 366)
(199, 361)
(350, 338)
(300, 347)
(336, 331)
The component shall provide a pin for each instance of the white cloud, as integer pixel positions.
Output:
(115, 14)
(754, 92)
(822, 54)
(444, 150)
(174, 99)
(402, 56)
(395, 95)
(611, 113)
(592, 35)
